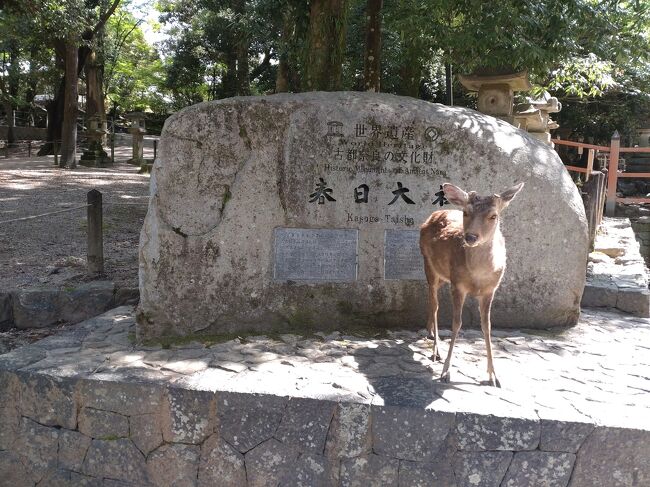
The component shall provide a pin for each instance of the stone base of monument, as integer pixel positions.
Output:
(88, 407)
(95, 156)
(136, 161)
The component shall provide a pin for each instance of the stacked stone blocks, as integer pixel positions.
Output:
(84, 432)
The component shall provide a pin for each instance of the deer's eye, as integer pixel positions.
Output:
(465, 213)
(493, 217)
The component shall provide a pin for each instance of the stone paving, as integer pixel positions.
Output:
(88, 407)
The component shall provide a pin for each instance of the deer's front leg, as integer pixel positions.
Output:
(458, 298)
(432, 324)
(485, 305)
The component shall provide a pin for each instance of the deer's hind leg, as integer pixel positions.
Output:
(432, 323)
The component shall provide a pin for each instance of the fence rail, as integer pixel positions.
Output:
(95, 241)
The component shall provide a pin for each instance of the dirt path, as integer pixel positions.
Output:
(52, 250)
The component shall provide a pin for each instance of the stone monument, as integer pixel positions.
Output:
(302, 210)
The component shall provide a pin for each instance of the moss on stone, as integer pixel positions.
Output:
(300, 317)
(445, 147)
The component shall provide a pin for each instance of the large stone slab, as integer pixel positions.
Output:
(622, 462)
(231, 173)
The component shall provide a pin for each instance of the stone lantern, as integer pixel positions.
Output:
(94, 155)
(496, 93)
(643, 135)
(546, 105)
(137, 130)
(534, 116)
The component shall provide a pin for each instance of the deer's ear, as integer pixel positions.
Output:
(455, 195)
(509, 194)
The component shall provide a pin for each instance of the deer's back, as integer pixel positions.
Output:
(441, 241)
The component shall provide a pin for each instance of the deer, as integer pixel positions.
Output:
(466, 249)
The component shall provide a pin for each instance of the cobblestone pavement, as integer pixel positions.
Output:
(598, 371)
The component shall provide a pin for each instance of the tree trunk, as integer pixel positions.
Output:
(243, 70)
(229, 83)
(69, 129)
(11, 138)
(282, 74)
(54, 121)
(449, 84)
(410, 79)
(372, 59)
(94, 94)
(326, 45)
(56, 107)
(410, 70)
(94, 91)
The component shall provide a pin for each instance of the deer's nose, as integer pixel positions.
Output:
(471, 238)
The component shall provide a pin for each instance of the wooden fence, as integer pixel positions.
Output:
(613, 151)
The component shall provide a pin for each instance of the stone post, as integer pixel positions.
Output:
(137, 130)
(612, 175)
(95, 235)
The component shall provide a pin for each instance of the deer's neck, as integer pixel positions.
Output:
(490, 255)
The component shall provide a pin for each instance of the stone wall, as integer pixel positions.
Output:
(46, 306)
(88, 408)
(303, 210)
(89, 432)
(617, 276)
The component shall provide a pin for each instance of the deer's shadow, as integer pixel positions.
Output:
(406, 382)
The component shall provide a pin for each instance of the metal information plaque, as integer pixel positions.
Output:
(402, 256)
(303, 254)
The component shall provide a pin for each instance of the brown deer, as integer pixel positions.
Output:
(467, 249)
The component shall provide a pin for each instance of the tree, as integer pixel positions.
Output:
(72, 25)
(326, 45)
(372, 58)
(133, 73)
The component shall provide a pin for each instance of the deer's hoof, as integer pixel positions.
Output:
(495, 383)
(430, 336)
(436, 357)
(444, 378)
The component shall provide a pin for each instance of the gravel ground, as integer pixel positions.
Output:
(51, 251)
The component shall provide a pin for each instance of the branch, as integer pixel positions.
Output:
(104, 18)
(117, 53)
